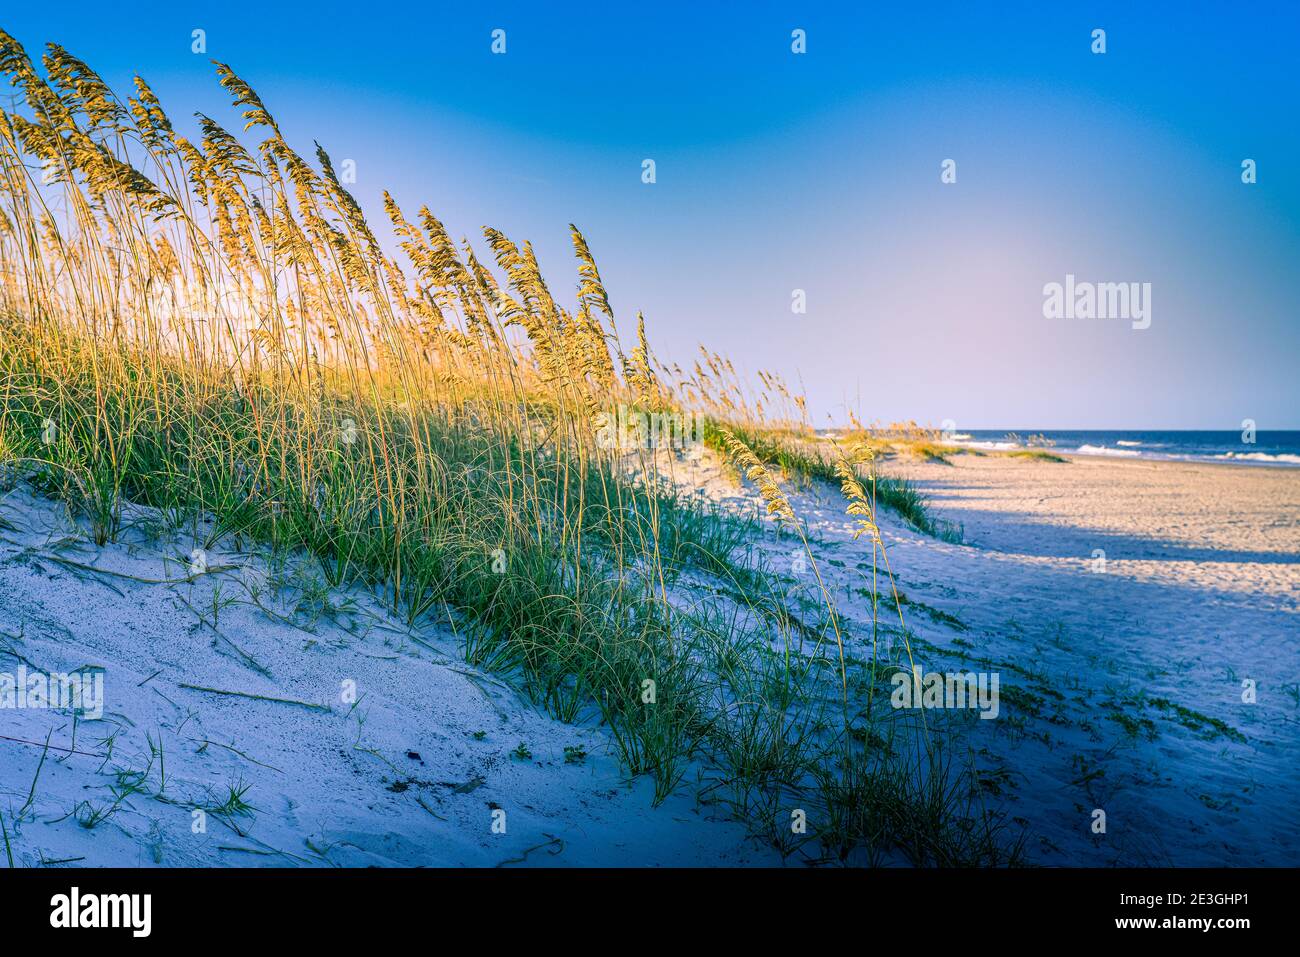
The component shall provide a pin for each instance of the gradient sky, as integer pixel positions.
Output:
(821, 172)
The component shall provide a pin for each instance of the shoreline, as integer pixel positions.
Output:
(1119, 445)
(1188, 460)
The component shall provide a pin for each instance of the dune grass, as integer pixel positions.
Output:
(804, 459)
(1037, 455)
(212, 328)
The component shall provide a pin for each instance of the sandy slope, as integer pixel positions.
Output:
(1199, 592)
(1121, 688)
(409, 776)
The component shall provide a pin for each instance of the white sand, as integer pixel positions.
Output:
(1200, 591)
(331, 787)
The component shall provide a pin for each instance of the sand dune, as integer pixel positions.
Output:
(414, 769)
(1121, 687)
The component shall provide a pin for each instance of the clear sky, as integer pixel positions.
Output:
(821, 172)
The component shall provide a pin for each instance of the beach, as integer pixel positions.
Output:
(1128, 606)
(1121, 686)
(230, 729)
(746, 464)
(1231, 528)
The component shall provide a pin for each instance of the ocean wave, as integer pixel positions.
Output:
(1105, 450)
(1126, 442)
(1261, 457)
(987, 445)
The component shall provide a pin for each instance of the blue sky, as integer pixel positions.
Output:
(821, 172)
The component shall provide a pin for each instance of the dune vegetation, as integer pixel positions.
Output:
(207, 324)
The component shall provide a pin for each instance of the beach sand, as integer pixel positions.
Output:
(1116, 674)
(1121, 686)
(369, 742)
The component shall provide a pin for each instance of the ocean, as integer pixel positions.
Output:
(1273, 448)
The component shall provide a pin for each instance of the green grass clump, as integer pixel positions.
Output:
(799, 460)
(1034, 454)
(1202, 724)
